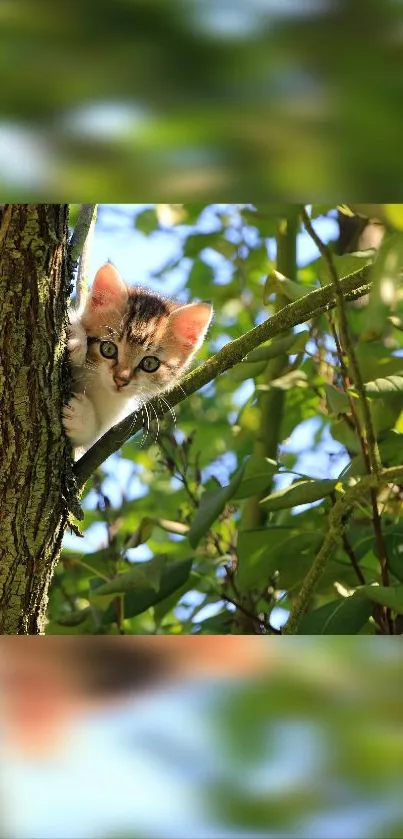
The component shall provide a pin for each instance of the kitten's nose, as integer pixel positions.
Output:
(121, 379)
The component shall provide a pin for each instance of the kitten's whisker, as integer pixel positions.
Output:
(145, 433)
(181, 388)
(132, 424)
(148, 419)
(156, 417)
(170, 408)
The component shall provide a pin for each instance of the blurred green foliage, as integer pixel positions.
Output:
(231, 515)
(316, 745)
(194, 99)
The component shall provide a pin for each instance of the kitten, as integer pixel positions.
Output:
(125, 346)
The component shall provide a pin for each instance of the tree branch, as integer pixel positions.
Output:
(83, 265)
(337, 522)
(318, 301)
(81, 230)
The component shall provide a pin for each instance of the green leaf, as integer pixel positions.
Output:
(255, 550)
(142, 575)
(74, 627)
(283, 346)
(344, 616)
(143, 532)
(337, 401)
(386, 278)
(389, 596)
(212, 504)
(257, 477)
(381, 388)
(146, 221)
(345, 265)
(302, 492)
(295, 378)
(266, 550)
(75, 618)
(97, 563)
(163, 607)
(294, 558)
(220, 624)
(390, 450)
(376, 361)
(174, 576)
(276, 283)
(393, 539)
(243, 371)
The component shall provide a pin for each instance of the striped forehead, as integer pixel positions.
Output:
(144, 315)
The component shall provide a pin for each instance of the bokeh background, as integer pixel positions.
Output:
(188, 99)
(307, 744)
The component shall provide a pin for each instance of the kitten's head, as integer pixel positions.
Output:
(139, 342)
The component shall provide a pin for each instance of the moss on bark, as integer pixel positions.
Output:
(34, 286)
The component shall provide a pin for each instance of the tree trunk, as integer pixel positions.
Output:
(34, 456)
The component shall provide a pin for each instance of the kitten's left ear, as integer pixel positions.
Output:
(108, 288)
(189, 324)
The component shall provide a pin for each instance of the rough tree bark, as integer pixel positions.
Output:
(34, 456)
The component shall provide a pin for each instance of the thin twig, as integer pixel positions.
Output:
(353, 559)
(349, 549)
(254, 618)
(337, 522)
(84, 260)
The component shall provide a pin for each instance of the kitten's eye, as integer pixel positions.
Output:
(108, 349)
(149, 364)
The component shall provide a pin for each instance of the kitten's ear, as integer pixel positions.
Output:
(189, 324)
(108, 289)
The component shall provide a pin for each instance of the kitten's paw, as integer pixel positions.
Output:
(79, 420)
(77, 344)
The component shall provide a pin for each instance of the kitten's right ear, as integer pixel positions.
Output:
(108, 289)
